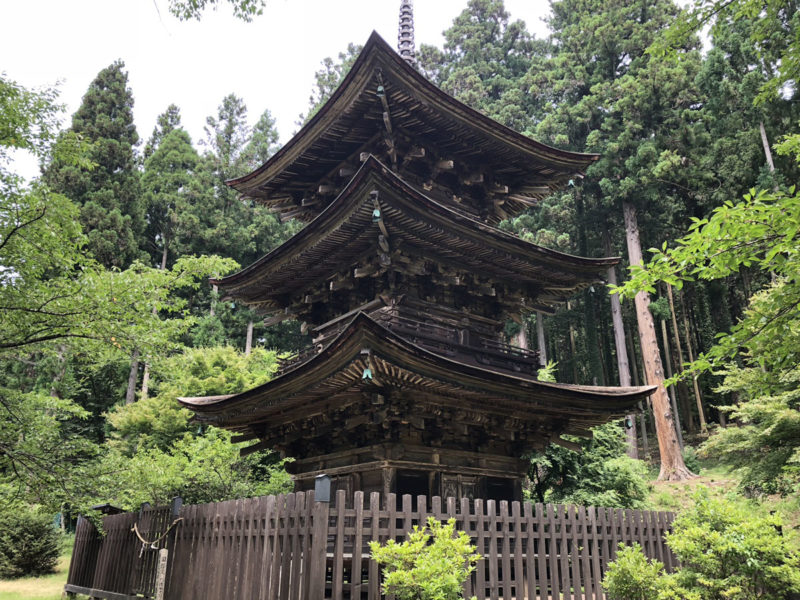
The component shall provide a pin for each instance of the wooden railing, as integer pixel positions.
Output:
(447, 341)
(290, 547)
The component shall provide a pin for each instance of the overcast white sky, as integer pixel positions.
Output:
(270, 62)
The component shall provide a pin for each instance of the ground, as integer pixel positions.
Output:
(48, 587)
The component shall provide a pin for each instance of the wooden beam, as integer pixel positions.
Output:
(444, 165)
(473, 179)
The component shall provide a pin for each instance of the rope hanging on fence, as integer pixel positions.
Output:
(152, 544)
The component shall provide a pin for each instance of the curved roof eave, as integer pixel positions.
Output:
(294, 245)
(363, 329)
(374, 50)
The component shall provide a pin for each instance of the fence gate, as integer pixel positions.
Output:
(125, 560)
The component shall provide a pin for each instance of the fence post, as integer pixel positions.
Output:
(319, 548)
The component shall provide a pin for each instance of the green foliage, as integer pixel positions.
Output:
(202, 468)
(691, 459)
(600, 475)
(159, 421)
(154, 453)
(484, 60)
(38, 454)
(775, 34)
(166, 122)
(432, 564)
(727, 551)
(166, 179)
(29, 544)
(187, 10)
(111, 210)
(548, 372)
(765, 446)
(328, 78)
(632, 576)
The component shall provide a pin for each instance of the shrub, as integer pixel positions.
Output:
(727, 552)
(29, 544)
(691, 459)
(432, 564)
(632, 576)
(600, 475)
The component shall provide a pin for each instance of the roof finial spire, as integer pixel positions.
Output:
(405, 34)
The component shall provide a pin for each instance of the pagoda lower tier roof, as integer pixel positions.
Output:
(346, 236)
(367, 359)
(382, 86)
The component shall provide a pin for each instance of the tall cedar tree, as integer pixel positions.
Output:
(168, 173)
(214, 219)
(111, 208)
(165, 122)
(484, 59)
(638, 113)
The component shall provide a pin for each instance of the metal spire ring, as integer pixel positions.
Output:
(405, 33)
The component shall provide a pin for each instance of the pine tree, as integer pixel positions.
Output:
(167, 177)
(484, 59)
(263, 141)
(112, 213)
(167, 121)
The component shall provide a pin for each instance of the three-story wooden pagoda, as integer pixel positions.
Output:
(405, 282)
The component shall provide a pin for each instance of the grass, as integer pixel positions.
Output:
(46, 587)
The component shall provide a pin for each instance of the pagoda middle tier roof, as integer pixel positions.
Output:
(353, 117)
(345, 235)
(323, 383)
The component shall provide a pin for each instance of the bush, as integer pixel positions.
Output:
(432, 564)
(691, 459)
(600, 475)
(727, 551)
(29, 544)
(632, 576)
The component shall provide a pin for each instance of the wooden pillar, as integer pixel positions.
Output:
(388, 481)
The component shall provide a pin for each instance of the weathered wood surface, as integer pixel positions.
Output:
(291, 547)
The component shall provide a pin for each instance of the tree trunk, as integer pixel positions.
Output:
(248, 344)
(145, 381)
(214, 294)
(61, 353)
(130, 393)
(767, 150)
(683, 392)
(667, 363)
(540, 339)
(698, 397)
(622, 354)
(672, 465)
(164, 256)
(635, 373)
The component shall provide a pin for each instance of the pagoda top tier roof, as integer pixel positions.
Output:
(338, 374)
(382, 87)
(439, 241)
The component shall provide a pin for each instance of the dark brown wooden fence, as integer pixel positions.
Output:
(290, 547)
